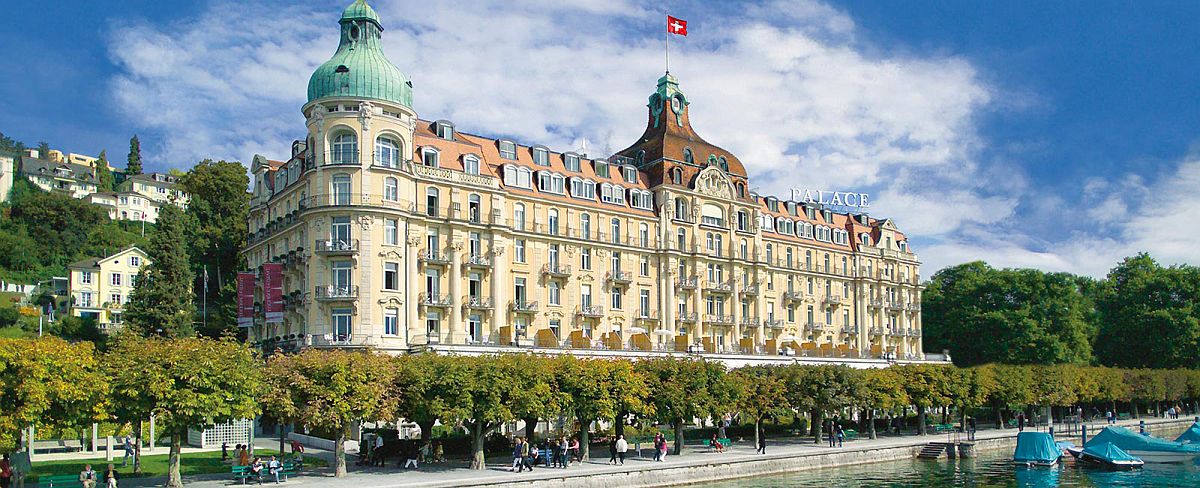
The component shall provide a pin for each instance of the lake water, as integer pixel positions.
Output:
(991, 468)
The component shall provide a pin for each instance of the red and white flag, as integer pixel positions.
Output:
(676, 26)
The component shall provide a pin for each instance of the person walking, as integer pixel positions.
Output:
(411, 453)
(829, 428)
(564, 451)
(622, 448)
(530, 453)
(762, 441)
(612, 450)
(128, 445)
(841, 434)
(971, 427)
(657, 450)
(518, 457)
(575, 450)
(555, 454)
(1021, 422)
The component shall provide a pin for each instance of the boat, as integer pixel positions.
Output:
(1149, 449)
(1106, 455)
(1036, 449)
(1191, 435)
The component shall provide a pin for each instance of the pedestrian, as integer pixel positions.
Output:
(410, 455)
(274, 467)
(87, 477)
(622, 448)
(575, 450)
(762, 441)
(128, 445)
(1021, 422)
(244, 458)
(612, 450)
(6, 472)
(1108, 415)
(971, 426)
(552, 459)
(425, 453)
(518, 457)
(530, 454)
(110, 477)
(841, 434)
(829, 429)
(657, 448)
(564, 452)
(256, 469)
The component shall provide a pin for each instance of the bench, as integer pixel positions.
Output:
(1123, 416)
(61, 481)
(723, 442)
(851, 434)
(243, 473)
(943, 428)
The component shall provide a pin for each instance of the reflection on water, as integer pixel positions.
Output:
(992, 468)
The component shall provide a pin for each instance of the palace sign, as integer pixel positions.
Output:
(838, 199)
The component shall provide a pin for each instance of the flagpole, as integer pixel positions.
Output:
(667, 47)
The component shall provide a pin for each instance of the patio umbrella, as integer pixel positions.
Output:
(637, 330)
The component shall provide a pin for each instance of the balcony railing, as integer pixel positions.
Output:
(750, 322)
(477, 261)
(591, 311)
(335, 246)
(477, 303)
(688, 317)
(773, 323)
(725, 287)
(895, 306)
(686, 283)
(850, 330)
(719, 319)
(793, 296)
(331, 292)
(556, 270)
(914, 332)
(750, 290)
(878, 331)
(433, 257)
(913, 307)
(434, 300)
(876, 303)
(619, 276)
(647, 315)
(814, 326)
(523, 306)
(833, 300)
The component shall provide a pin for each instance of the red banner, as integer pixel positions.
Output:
(273, 292)
(245, 299)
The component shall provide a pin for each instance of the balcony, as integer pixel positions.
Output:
(433, 257)
(750, 322)
(556, 270)
(833, 300)
(773, 323)
(718, 319)
(878, 331)
(522, 306)
(336, 293)
(687, 317)
(718, 287)
(434, 300)
(750, 290)
(686, 283)
(914, 332)
(848, 330)
(477, 303)
(793, 296)
(590, 311)
(622, 277)
(648, 315)
(477, 261)
(814, 327)
(713, 222)
(876, 303)
(895, 306)
(335, 247)
(913, 307)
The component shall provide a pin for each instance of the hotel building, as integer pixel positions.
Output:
(406, 234)
(99, 287)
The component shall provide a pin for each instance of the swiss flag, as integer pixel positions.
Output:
(676, 26)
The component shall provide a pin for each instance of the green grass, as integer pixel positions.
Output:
(155, 465)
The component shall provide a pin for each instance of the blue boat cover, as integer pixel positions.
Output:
(1108, 452)
(1190, 435)
(1036, 447)
(1129, 440)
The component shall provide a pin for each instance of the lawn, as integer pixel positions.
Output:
(156, 465)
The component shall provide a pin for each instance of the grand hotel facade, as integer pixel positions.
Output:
(405, 234)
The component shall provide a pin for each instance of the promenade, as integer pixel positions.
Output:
(697, 464)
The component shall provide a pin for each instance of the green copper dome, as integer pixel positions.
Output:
(359, 68)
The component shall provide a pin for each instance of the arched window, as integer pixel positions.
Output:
(615, 228)
(341, 189)
(429, 156)
(681, 209)
(387, 152)
(865, 239)
(743, 250)
(687, 156)
(471, 165)
(585, 226)
(644, 235)
(431, 202)
(741, 190)
(681, 239)
(391, 189)
(345, 149)
(473, 208)
(723, 163)
(677, 176)
(552, 221)
(743, 221)
(519, 216)
(641, 157)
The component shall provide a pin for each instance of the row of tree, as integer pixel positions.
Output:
(193, 382)
(1141, 315)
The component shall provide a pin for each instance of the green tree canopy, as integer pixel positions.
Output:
(1150, 315)
(104, 177)
(681, 390)
(134, 160)
(162, 300)
(48, 382)
(216, 232)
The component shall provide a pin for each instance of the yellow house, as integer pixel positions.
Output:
(100, 287)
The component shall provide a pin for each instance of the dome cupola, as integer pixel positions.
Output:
(359, 68)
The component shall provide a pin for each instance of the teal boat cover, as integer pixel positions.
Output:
(1129, 440)
(1108, 452)
(1190, 435)
(1036, 447)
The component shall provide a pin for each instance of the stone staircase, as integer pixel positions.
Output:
(935, 450)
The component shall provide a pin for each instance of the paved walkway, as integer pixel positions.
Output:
(455, 473)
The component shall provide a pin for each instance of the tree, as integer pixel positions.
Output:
(1149, 317)
(104, 176)
(43, 150)
(216, 231)
(819, 390)
(879, 388)
(134, 166)
(681, 390)
(48, 382)
(763, 394)
(187, 383)
(924, 385)
(416, 391)
(1029, 316)
(330, 389)
(585, 384)
(488, 388)
(10, 145)
(162, 300)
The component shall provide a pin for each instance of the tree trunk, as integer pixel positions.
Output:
(920, 420)
(279, 426)
(757, 430)
(677, 424)
(619, 424)
(137, 448)
(174, 480)
(1136, 414)
(477, 435)
(585, 440)
(531, 428)
(426, 431)
(818, 420)
(339, 453)
(871, 422)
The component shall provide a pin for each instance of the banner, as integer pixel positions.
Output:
(245, 299)
(273, 292)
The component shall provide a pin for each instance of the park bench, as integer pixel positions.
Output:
(943, 428)
(59, 481)
(851, 434)
(241, 473)
(1123, 416)
(724, 442)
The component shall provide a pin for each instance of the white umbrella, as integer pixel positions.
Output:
(664, 332)
(637, 330)
(787, 338)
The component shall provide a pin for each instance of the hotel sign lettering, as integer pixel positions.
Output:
(841, 199)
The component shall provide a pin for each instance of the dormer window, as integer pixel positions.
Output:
(688, 157)
(517, 176)
(508, 150)
(791, 208)
(429, 157)
(723, 163)
(571, 161)
(810, 212)
(471, 165)
(828, 216)
(641, 157)
(773, 204)
(864, 239)
(551, 182)
(601, 168)
(630, 174)
(541, 156)
(445, 130)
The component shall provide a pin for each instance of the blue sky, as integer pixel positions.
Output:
(1058, 135)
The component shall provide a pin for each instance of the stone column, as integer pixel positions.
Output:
(500, 287)
(413, 287)
(365, 261)
(455, 277)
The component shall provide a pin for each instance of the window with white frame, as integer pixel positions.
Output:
(391, 236)
(541, 156)
(85, 277)
(551, 182)
(471, 165)
(615, 229)
(583, 188)
(391, 276)
(616, 297)
(518, 176)
(612, 194)
(519, 216)
(387, 152)
(391, 189)
(429, 157)
(115, 279)
(643, 235)
(508, 150)
(554, 293)
(601, 167)
(571, 161)
(630, 174)
(135, 261)
(641, 199)
(644, 266)
(585, 258)
(445, 131)
(519, 250)
(391, 321)
(585, 226)
(341, 323)
(552, 221)
(345, 149)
